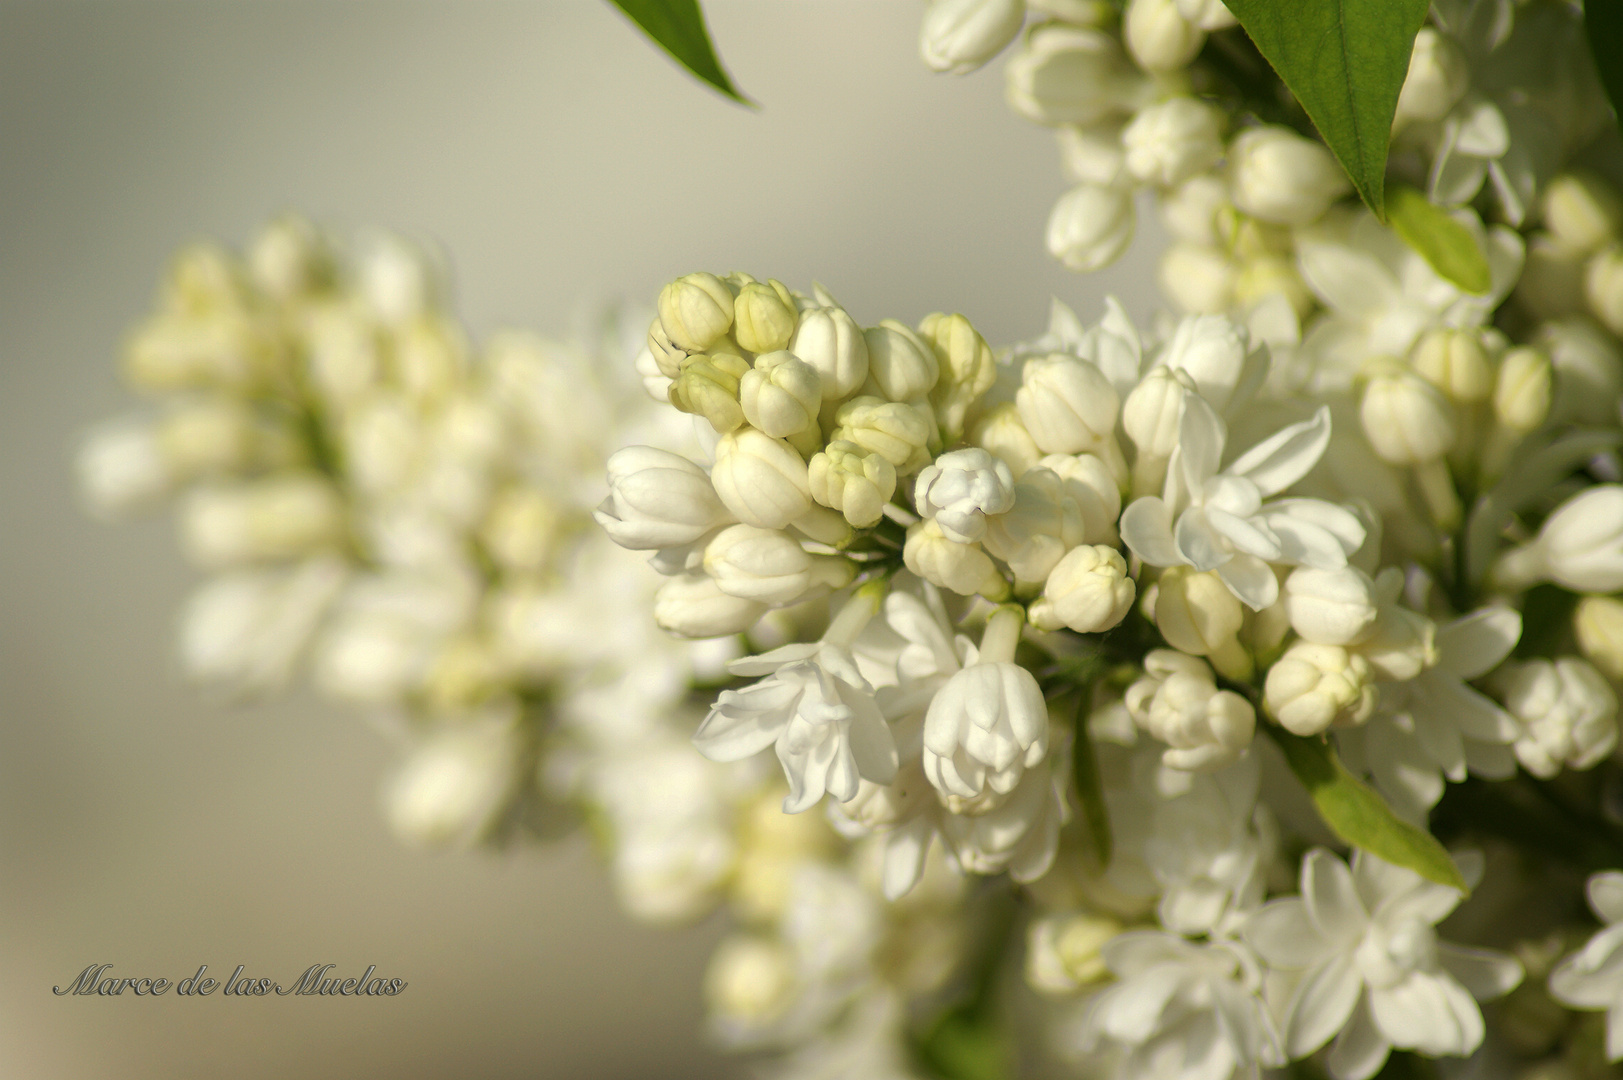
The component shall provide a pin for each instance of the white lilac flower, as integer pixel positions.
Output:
(1568, 710)
(1433, 725)
(960, 489)
(1178, 702)
(247, 629)
(961, 35)
(1181, 1009)
(815, 707)
(1217, 520)
(1592, 977)
(658, 499)
(1373, 975)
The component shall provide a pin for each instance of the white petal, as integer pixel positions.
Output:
(1200, 545)
(1474, 644)
(1605, 892)
(1306, 544)
(1361, 1049)
(1286, 456)
(1331, 898)
(1146, 529)
(1484, 973)
(768, 662)
(1342, 524)
(1252, 536)
(873, 748)
(1201, 435)
(1251, 580)
(1349, 281)
(905, 850)
(1283, 935)
(1322, 1005)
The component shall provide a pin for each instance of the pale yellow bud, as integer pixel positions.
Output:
(781, 394)
(204, 278)
(1195, 611)
(222, 349)
(1088, 591)
(764, 317)
(899, 362)
(209, 436)
(1002, 431)
(1599, 624)
(750, 981)
(277, 518)
(854, 481)
(696, 311)
(1158, 37)
(521, 528)
(431, 358)
(1521, 394)
(963, 568)
(707, 386)
(1406, 420)
(1313, 687)
(830, 340)
(1455, 362)
(1198, 279)
(667, 356)
(1270, 275)
(894, 430)
(1063, 951)
(967, 367)
(289, 259)
(1603, 286)
(1582, 211)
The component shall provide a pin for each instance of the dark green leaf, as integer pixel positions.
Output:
(1446, 245)
(1603, 25)
(677, 26)
(1359, 816)
(1345, 60)
(1089, 787)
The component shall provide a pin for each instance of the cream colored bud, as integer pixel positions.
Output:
(1330, 607)
(1588, 370)
(961, 490)
(1190, 211)
(666, 354)
(1263, 276)
(967, 370)
(760, 479)
(696, 311)
(1314, 687)
(1603, 286)
(455, 785)
(769, 566)
(750, 981)
(1090, 227)
(1599, 625)
(1402, 643)
(1088, 591)
(1581, 211)
(1092, 155)
(1063, 951)
(708, 386)
(431, 358)
(121, 469)
(781, 394)
(856, 482)
(290, 258)
(693, 605)
(203, 278)
(280, 517)
(1282, 177)
(1001, 431)
(1072, 75)
(1567, 709)
(894, 430)
(1406, 419)
(522, 528)
(1170, 141)
(902, 365)
(1089, 483)
(1034, 535)
(1195, 611)
(1153, 411)
(961, 35)
(222, 349)
(830, 340)
(1521, 393)
(1067, 404)
(1209, 15)
(963, 568)
(1455, 362)
(1200, 280)
(1438, 78)
(1178, 702)
(210, 436)
(764, 316)
(1158, 37)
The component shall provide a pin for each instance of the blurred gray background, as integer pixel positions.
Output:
(559, 159)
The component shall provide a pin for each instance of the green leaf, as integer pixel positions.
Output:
(1089, 787)
(677, 26)
(1345, 60)
(1447, 246)
(966, 1044)
(1359, 816)
(1603, 26)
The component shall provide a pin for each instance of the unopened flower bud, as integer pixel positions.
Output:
(1209, 15)
(218, 349)
(963, 568)
(1178, 702)
(290, 259)
(696, 311)
(894, 430)
(1264, 278)
(1330, 607)
(1089, 483)
(1001, 431)
(666, 354)
(1092, 155)
(1171, 141)
(1455, 362)
(1037, 531)
(1088, 591)
(1406, 419)
(1150, 417)
(770, 566)
(1199, 279)
(1063, 951)
(764, 317)
(1588, 370)
(1090, 227)
(1579, 547)
(1402, 643)
(279, 517)
(694, 606)
(1282, 177)
(762, 480)
(122, 469)
(967, 370)
(1158, 37)
(1521, 392)
(961, 35)
(1313, 687)
(1067, 404)
(1569, 710)
(902, 365)
(1603, 286)
(781, 394)
(856, 482)
(455, 784)
(984, 729)
(750, 981)
(1190, 211)
(1072, 75)
(658, 499)
(1437, 79)
(521, 528)
(707, 386)
(1599, 625)
(960, 489)
(1581, 211)
(830, 340)
(1196, 612)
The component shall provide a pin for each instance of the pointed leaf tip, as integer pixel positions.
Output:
(677, 26)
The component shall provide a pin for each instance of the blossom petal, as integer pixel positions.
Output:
(1200, 545)
(1303, 543)
(905, 849)
(1201, 435)
(1605, 893)
(873, 747)
(1592, 977)
(1252, 536)
(1283, 935)
(768, 662)
(1286, 456)
(1146, 529)
(1349, 281)
(1484, 973)
(1475, 644)
(1429, 1013)
(1322, 1004)
(1360, 1050)
(1332, 898)
(1251, 580)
